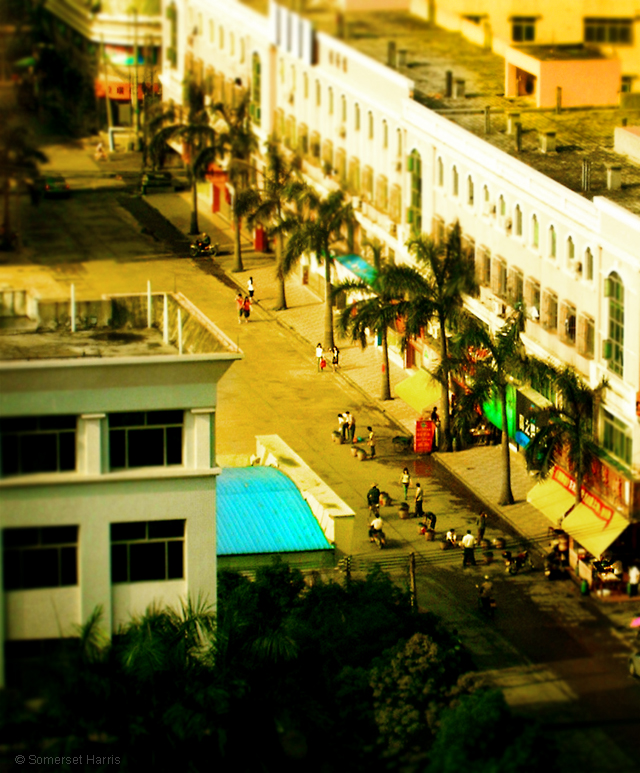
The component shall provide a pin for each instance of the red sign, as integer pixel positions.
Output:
(424, 437)
(597, 506)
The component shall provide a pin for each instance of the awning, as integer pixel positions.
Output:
(22, 64)
(595, 529)
(358, 267)
(551, 498)
(420, 390)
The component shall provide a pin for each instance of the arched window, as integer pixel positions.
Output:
(356, 116)
(440, 171)
(454, 180)
(535, 232)
(502, 206)
(518, 220)
(242, 51)
(415, 206)
(232, 44)
(256, 89)
(470, 190)
(221, 37)
(344, 108)
(486, 200)
(614, 347)
(330, 101)
(212, 31)
(305, 85)
(399, 139)
(588, 264)
(318, 94)
(552, 242)
(571, 249)
(385, 134)
(370, 120)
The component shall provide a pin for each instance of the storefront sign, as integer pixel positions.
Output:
(597, 506)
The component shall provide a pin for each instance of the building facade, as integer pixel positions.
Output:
(108, 483)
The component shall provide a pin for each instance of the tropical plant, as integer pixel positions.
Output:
(318, 231)
(193, 129)
(381, 301)
(273, 208)
(488, 362)
(450, 275)
(566, 427)
(19, 159)
(237, 143)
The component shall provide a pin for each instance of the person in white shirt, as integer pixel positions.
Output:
(452, 538)
(319, 355)
(468, 543)
(375, 527)
(634, 579)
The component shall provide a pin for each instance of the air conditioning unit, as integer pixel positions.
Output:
(577, 268)
(508, 224)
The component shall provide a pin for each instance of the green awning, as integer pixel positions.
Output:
(22, 64)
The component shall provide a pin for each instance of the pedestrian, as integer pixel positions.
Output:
(323, 364)
(634, 579)
(240, 307)
(246, 308)
(373, 499)
(319, 355)
(372, 441)
(418, 499)
(335, 357)
(351, 423)
(405, 479)
(250, 287)
(434, 415)
(341, 425)
(433, 518)
(481, 523)
(468, 543)
(345, 425)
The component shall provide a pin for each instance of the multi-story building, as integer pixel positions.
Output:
(107, 459)
(423, 128)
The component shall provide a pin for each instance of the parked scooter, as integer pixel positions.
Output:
(202, 246)
(514, 564)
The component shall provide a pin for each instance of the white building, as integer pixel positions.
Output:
(108, 484)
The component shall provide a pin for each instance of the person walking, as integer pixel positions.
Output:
(468, 544)
(373, 499)
(251, 287)
(372, 441)
(319, 355)
(345, 425)
(433, 519)
(335, 358)
(246, 308)
(418, 498)
(351, 423)
(434, 415)
(240, 307)
(481, 523)
(405, 479)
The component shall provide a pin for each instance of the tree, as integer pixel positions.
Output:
(196, 134)
(237, 142)
(382, 301)
(281, 188)
(450, 275)
(488, 361)
(566, 426)
(19, 159)
(319, 230)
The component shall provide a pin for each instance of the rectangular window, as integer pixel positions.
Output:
(532, 298)
(616, 437)
(499, 277)
(515, 286)
(568, 324)
(32, 444)
(144, 551)
(382, 193)
(314, 146)
(609, 30)
(586, 336)
(41, 557)
(145, 439)
(550, 311)
(523, 29)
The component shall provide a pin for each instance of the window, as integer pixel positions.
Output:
(356, 117)
(330, 101)
(616, 437)
(221, 37)
(395, 203)
(437, 229)
(42, 557)
(550, 311)
(303, 139)
(318, 94)
(145, 439)
(232, 44)
(502, 206)
(367, 183)
(256, 88)
(385, 135)
(370, 121)
(199, 29)
(454, 181)
(399, 142)
(172, 50)
(523, 29)
(599, 30)
(499, 277)
(340, 162)
(518, 220)
(470, 191)
(142, 551)
(344, 108)
(212, 31)
(571, 249)
(305, 85)
(242, 51)
(588, 264)
(515, 286)
(353, 177)
(382, 193)
(327, 153)
(535, 232)
(32, 444)
(415, 206)
(552, 242)
(586, 336)
(568, 323)
(314, 146)
(614, 291)
(483, 266)
(532, 298)
(440, 171)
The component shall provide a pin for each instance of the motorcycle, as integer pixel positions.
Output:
(514, 564)
(202, 246)
(379, 538)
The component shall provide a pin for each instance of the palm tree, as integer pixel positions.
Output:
(197, 136)
(19, 159)
(566, 426)
(318, 231)
(382, 301)
(489, 361)
(237, 142)
(450, 275)
(281, 187)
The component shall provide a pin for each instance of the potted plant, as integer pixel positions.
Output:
(403, 510)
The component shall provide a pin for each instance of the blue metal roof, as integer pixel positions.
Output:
(358, 266)
(260, 510)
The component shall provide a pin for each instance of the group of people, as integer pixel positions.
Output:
(244, 302)
(405, 480)
(347, 427)
(334, 354)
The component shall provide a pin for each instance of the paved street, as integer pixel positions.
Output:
(556, 654)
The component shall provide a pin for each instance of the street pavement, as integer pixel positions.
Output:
(535, 650)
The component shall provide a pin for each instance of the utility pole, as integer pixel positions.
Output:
(134, 93)
(106, 87)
